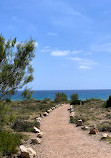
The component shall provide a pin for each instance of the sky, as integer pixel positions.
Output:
(73, 40)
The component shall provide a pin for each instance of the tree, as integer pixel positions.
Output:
(60, 97)
(15, 68)
(27, 94)
(74, 96)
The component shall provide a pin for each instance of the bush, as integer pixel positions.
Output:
(105, 127)
(75, 102)
(24, 126)
(9, 143)
(108, 102)
(92, 99)
(74, 96)
(60, 97)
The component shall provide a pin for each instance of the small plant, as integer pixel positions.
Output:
(9, 143)
(24, 126)
(104, 127)
(60, 97)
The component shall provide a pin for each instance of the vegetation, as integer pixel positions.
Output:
(108, 102)
(15, 68)
(60, 97)
(27, 94)
(74, 96)
(9, 143)
(74, 99)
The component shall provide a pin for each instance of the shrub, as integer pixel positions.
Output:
(60, 97)
(108, 102)
(74, 96)
(105, 127)
(24, 126)
(75, 102)
(78, 117)
(9, 143)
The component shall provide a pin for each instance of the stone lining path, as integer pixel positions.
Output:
(64, 140)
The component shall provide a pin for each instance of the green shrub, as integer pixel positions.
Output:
(24, 126)
(9, 143)
(78, 117)
(75, 102)
(60, 97)
(104, 127)
(74, 96)
(108, 102)
(92, 99)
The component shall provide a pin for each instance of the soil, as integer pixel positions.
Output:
(64, 140)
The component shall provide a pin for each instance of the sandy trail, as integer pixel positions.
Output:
(64, 140)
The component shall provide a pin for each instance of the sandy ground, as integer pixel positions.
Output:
(64, 140)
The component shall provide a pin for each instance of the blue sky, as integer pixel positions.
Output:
(73, 40)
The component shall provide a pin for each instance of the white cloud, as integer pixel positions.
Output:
(83, 62)
(52, 34)
(56, 52)
(84, 67)
(60, 53)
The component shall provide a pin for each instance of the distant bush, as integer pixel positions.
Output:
(108, 102)
(24, 126)
(75, 102)
(46, 100)
(60, 97)
(93, 99)
(74, 99)
(9, 143)
(74, 96)
(104, 127)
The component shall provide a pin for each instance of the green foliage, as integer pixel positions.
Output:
(108, 102)
(104, 126)
(6, 114)
(15, 67)
(27, 94)
(92, 99)
(9, 143)
(75, 102)
(24, 126)
(74, 99)
(60, 97)
(74, 96)
(46, 100)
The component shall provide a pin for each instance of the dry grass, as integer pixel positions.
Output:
(93, 113)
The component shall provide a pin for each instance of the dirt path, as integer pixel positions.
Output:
(64, 140)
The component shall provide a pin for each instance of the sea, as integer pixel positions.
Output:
(83, 94)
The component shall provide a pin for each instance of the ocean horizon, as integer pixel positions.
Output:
(83, 94)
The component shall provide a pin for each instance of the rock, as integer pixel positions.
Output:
(45, 114)
(38, 119)
(36, 130)
(104, 136)
(48, 111)
(93, 130)
(84, 127)
(72, 114)
(53, 108)
(71, 110)
(27, 152)
(41, 115)
(40, 135)
(35, 141)
(79, 122)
